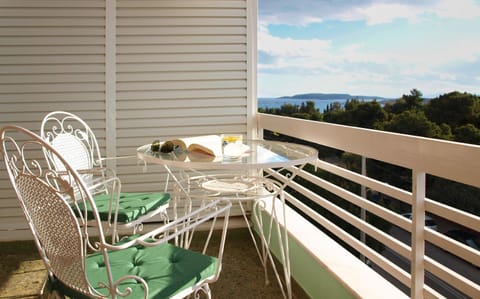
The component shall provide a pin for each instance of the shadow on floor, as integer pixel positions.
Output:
(22, 272)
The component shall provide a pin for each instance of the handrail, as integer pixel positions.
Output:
(407, 151)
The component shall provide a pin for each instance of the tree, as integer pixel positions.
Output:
(367, 114)
(468, 134)
(413, 101)
(455, 109)
(288, 109)
(356, 113)
(334, 113)
(308, 108)
(413, 123)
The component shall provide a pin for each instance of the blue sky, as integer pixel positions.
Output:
(368, 47)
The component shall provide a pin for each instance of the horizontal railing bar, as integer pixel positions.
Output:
(373, 184)
(459, 282)
(388, 266)
(456, 280)
(384, 263)
(371, 230)
(391, 268)
(461, 250)
(455, 215)
(359, 201)
(434, 207)
(433, 236)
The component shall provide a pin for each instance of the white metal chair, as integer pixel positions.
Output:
(76, 142)
(142, 266)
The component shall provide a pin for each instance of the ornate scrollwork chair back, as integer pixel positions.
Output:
(75, 141)
(44, 196)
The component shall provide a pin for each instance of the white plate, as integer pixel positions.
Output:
(226, 186)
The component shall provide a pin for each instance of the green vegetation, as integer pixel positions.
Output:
(306, 110)
(454, 116)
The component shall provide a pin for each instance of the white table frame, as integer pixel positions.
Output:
(252, 186)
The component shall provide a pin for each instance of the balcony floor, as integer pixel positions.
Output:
(22, 272)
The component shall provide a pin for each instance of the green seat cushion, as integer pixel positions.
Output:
(166, 269)
(131, 205)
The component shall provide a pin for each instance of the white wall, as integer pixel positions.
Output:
(148, 69)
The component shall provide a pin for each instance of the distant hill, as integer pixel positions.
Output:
(333, 96)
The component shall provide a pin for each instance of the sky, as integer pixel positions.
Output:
(379, 48)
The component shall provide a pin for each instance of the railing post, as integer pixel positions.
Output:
(363, 213)
(417, 267)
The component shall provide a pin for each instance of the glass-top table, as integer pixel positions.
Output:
(261, 154)
(251, 177)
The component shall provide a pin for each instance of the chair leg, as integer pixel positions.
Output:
(47, 291)
(205, 288)
(137, 228)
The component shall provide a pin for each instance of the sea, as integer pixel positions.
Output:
(320, 104)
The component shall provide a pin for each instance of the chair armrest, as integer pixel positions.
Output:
(116, 158)
(179, 226)
(86, 171)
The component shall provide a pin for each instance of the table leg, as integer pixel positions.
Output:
(268, 190)
(266, 231)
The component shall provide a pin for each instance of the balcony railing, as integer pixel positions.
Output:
(420, 265)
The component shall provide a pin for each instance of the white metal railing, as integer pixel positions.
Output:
(453, 161)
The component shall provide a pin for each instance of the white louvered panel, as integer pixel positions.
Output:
(15, 211)
(186, 112)
(18, 32)
(165, 48)
(182, 39)
(179, 103)
(51, 58)
(48, 50)
(184, 4)
(17, 234)
(174, 66)
(151, 124)
(35, 21)
(182, 31)
(162, 12)
(182, 76)
(38, 10)
(53, 78)
(181, 57)
(46, 69)
(58, 98)
(173, 94)
(13, 223)
(181, 70)
(45, 4)
(179, 85)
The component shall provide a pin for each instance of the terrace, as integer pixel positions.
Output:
(318, 261)
(160, 69)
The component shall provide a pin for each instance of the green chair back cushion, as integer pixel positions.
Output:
(131, 205)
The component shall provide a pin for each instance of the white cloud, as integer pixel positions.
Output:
(289, 47)
(459, 9)
(374, 12)
(383, 13)
(319, 65)
(292, 53)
